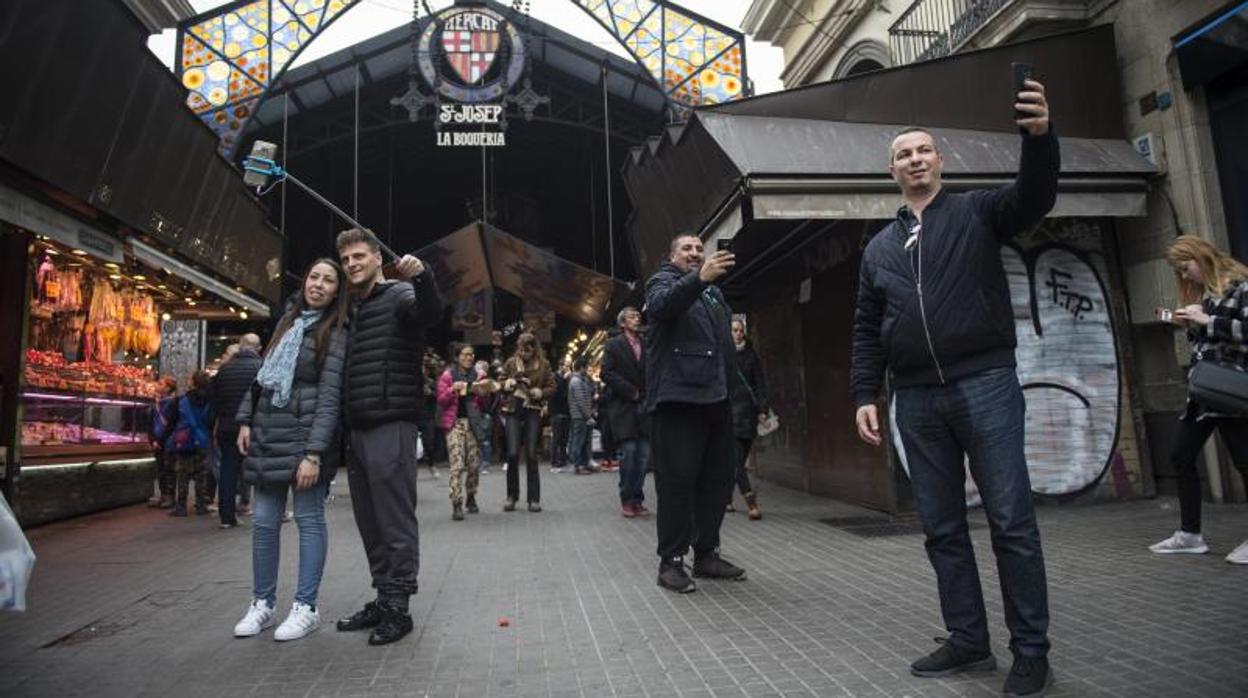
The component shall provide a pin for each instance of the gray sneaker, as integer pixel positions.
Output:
(1181, 542)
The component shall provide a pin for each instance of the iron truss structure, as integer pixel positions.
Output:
(230, 57)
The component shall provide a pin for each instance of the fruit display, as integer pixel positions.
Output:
(50, 370)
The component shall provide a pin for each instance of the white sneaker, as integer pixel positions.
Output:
(1239, 556)
(1181, 542)
(301, 621)
(259, 616)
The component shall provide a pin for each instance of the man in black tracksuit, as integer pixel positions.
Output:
(690, 373)
(934, 310)
(231, 384)
(382, 396)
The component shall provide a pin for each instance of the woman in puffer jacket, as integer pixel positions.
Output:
(288, 429)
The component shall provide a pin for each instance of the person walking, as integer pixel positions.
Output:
(934, 309)
(749, 408)
(624, 372)
(189, 440)
(689, 377)
(1213, 287)
(483, 426)
(431, 366)
(459, 399)
(229, 388)
(560, 420)
(290, 436)
(581, 410)
(382, 391)
(528, 383)
(164, 414)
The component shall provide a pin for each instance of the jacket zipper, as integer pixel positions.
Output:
(918, 285)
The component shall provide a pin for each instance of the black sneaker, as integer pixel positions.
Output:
(471, 506)
(395, 625)
(510, 505)
(950, 659)
(367, 617)
(1030, 676)
(713, 566)
(457, 512)
(673, 576)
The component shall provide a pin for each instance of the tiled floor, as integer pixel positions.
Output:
(132, 602)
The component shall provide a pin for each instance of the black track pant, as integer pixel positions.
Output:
(694, 459)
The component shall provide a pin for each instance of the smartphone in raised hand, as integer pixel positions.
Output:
(1020, 73)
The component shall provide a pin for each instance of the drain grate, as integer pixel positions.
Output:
(878, 526)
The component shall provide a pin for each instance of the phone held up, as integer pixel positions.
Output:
(1164, 314)
(1021, 72)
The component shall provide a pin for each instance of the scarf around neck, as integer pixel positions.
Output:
(278, 372)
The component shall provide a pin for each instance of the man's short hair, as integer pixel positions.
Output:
(354, 236)
(902, 132)
(251, 340)
(580, 363)
(671, 246)
(619, 319)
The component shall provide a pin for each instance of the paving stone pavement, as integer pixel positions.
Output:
(132, 602)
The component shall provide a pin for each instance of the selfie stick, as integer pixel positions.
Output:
(258, 169)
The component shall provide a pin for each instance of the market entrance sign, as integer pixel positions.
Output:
(472, 57)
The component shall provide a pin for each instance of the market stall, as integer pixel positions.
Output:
(92, 337)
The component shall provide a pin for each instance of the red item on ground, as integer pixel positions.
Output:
(504, 622)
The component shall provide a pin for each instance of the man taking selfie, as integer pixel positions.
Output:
(934, 310)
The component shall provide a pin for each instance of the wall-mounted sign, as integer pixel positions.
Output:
(472, 56)
(474, 61)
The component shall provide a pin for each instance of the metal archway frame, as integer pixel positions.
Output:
(229, 58)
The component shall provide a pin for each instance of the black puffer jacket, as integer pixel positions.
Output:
(229, 386)
(384, 377)
(963, 321)
(749, 398)
(688, 349)
(282, 436)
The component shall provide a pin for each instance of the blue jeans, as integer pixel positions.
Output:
(231, 462)
(270, 504)
(979, 418)
(578, 443)
(634, 459)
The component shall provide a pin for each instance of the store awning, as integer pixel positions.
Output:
(480, 256)
(1214, 46)
(821, 153)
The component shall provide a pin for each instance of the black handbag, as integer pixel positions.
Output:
(1220, 387)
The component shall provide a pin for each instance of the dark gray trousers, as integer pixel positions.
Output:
(382, 473)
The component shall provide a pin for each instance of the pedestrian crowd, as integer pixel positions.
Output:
(678, 391)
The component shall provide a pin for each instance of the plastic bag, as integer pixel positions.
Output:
(17, 559)
(769, 424)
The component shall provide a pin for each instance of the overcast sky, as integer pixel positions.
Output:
(372, 17)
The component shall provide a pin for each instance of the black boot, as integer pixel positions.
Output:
(367, 617)
(395, 624)
(457, 512)
(471, 506)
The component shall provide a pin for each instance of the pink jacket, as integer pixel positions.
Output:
(448, 400)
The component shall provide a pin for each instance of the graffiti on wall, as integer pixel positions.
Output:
(1068, 362)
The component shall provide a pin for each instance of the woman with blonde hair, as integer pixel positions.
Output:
(528, 383)
(1213, 287)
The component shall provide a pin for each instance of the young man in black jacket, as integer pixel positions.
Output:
(934, 310)
(229, 387)
(690, 372)
(382, 398)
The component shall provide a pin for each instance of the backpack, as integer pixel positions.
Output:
(190, 435)
(165, 415)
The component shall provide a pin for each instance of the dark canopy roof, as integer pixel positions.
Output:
(820, 153)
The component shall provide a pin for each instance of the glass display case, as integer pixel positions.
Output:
(63, 423)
